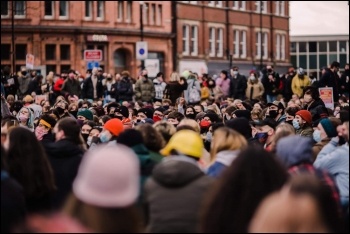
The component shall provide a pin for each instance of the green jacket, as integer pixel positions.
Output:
(144, 90)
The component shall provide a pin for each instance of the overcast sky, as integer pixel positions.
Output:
(319, 18)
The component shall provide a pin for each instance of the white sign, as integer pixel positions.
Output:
(194, 66)
(141, 50)
(152, 67)
(326, 94)
(30, 61)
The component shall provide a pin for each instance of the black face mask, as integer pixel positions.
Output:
(166, 107)
(109, 79)
(24, 73)
(60, 110)
(342, 141)
(273, 114)
(191, 116)
(112, 115)
(74, 113)
(289, 122)
(269, 70)
(85, 136)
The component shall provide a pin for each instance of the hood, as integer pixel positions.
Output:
(176, 171)
(226, 157)
(290, 155)
(63, 149)
(142, 153)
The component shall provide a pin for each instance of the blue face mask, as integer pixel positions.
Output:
(262, 137)
(104, 138)
(296, 124)
(317, 135)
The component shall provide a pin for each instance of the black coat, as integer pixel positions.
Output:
(175, 90)
(331, 79)
(65, 157)
(88, 89)
(238, 87)
(123, 90)
(10, 89)
(271, 87)
(344, 82)
(35, 87)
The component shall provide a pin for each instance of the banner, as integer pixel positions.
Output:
(326, 94)
(152, 66)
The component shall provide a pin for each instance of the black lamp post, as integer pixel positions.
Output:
(141, 29)
(261, 37)
(13, 37)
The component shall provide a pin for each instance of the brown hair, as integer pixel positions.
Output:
(152, 139)
(282, 130)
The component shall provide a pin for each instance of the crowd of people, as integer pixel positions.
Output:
(191, 153)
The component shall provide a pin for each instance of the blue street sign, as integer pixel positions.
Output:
(91, 65)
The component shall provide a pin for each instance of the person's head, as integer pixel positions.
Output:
(190, 122)
(325, 129)
(300, 72)
(69, 129)
(158, 114)
(10, 99)
(255, 114)
(175, 118)
(6, 124)
(152, 139)
(144, 113)
(265, 130)
(106, 189)
(174, 77)
(223, 74)
(302, 119)
(84, 115)
(282, 130)
(165, 129)
(198, 108)
(26, 117)
(28, 163)
(303, 205)
(290, 114)
(269, 68)
(46, 124)
(253, 77)
(335, 66)
(275, 110)
(242, 187)
(111, 129)
(184, 142)
(234, 71)
(226, 139)
(190, 112)
(310, 94)
(241, 125)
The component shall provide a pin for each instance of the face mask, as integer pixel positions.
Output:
(22, 118)
(262, 137)
(273, 113)
(80, 122)
(307, 98)
(209, 136)
(156, 118)
(252, 78)
(342, 140)
(118, 117)
(269, 70)
(296, 124)
(191, 116)
(74, 113)
(109, 78)
(317, 135)
(39, 133)
(85, 136)
(60, 110)
(166, 107)
(104, 137)
(289, 122)
(88, 141)
(235, 73)
(24, 73)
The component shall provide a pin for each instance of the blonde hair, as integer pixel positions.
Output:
(226, 139)
(49, 77)
(174, 76)
(192, 123)
(282, 130)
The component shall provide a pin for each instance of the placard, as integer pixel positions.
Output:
(326, 94)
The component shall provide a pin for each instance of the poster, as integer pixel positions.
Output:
(326, 94)
(152, 67)
(30, 61)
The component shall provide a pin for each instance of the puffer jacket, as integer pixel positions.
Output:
(144, 90)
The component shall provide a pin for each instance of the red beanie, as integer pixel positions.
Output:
(305, 115)
(115, 126)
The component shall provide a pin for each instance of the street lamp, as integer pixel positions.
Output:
(142, 8)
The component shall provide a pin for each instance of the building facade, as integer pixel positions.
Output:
(214, 35)
(58, 32)
(314, 52)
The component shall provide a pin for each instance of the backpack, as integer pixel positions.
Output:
(194, 95)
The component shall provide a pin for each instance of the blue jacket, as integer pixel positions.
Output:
(223, 160)
(335, 159)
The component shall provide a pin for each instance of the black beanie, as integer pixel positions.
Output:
(240, 125)
(130, 138)
(122, 110)
(212, 116)
(147, 111)
(242, 114)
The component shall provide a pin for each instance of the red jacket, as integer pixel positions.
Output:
(58, 85)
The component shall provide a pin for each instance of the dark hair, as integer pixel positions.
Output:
(3, 162)
(200, 106)
(292, 110)
(28, 163)
(252, 176)
(335, 64)
(344, 115)
(105, 118)
(160, 74)
(71, 129)
(185, 127)
(176, 115)
(90, 123)
(152, 139)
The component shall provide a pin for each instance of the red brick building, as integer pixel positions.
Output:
(209, 32)
(58, 32)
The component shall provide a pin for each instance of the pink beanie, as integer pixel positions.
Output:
(108, 176)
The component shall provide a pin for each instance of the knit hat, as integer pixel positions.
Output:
(122, 110)
(240, 125)
(305, 115)
(328, 128)
(213, 117)
(289, 154)
(105, 180)
(148, 112)
(242, 114)
(115, 126)
(130, 138)
(86, 113)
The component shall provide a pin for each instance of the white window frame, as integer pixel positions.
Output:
(265, 45)
(146, 13)
(67, 10)
(218, 4)
(220, 43)
(128, 11)
(239, 5)
(120, 11)
(100, 4)
(235, 5)
(186, 39)
(278, 47)
(243, 44)
(24, 10)
(277, 7)
(282, 8)
(258, 44)
(152, 14)
(90, 10)
(283, 47)
(52, 10)
(8, 11)
(236, 43)
(211, 3)
(212, 42)
(194, 40)
(243, 6)
(159, 14)
(264, 7)
(193, 2)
